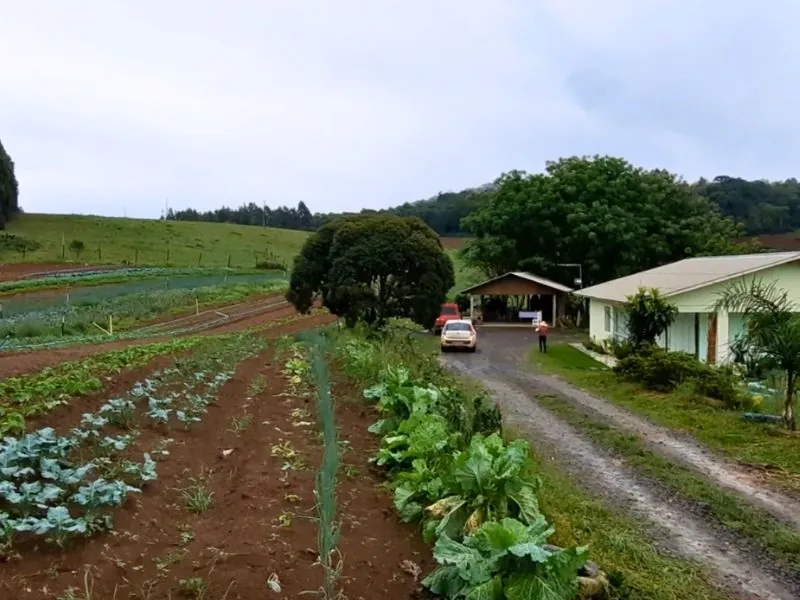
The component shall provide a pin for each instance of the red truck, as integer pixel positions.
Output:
(448, 312)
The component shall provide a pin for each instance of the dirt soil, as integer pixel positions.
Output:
(261, 520)
(13, 271)
(680, 527)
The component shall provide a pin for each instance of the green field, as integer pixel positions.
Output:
(110, 240)
(151, 242)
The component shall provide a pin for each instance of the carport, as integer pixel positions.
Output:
(529, 295)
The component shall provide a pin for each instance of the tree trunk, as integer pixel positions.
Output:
(788, 406)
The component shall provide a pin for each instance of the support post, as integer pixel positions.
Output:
(555, 311)
(472, 307)
(723, 345)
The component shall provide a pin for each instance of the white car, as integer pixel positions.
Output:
(459, 334)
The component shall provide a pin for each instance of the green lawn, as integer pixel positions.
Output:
(721, 430)
(465, 276)
(621, 546)
(151, 242)
(766, 532)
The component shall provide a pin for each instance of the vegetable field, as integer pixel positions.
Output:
(86, 312)
(246, 465)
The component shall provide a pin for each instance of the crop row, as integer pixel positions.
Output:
(38, 393)
(473, 494)
(55, 487)
(56, 318)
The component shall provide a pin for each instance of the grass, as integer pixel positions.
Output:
(151, 242)
(721, 430)
(465, 276)
(780, 541)
(619, 544)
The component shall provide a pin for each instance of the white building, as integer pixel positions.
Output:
(692, 285)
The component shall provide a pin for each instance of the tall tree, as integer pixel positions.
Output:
(371, 268)
(601, 212)
(9, 189)
(772, 331)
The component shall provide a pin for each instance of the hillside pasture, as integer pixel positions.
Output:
(147, 241)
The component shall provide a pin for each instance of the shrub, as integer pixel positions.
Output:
(660, 370)
(620, 349)
(270, 265)
(595, 346)
(649, 315)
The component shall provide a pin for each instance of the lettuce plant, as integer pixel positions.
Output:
(490, 480)
(505, 560)
(420, 436)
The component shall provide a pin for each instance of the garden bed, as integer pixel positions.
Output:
(232, 511)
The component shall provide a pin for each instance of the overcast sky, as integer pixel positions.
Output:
(111, 106)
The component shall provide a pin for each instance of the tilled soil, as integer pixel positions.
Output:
(680, 526)
(9, 272)
(261, 522)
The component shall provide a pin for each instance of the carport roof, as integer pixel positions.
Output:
(521, 275)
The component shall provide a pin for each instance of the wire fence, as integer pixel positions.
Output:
(171, 328)
(38, 301)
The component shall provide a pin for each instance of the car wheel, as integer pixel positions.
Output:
(444, 348)
(474, 349)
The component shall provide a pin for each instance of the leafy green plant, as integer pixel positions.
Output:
(505, 560)
(490, 480)
(649, 315)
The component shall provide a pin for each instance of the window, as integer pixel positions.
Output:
(457, 326)
(607, 314)
(449, 310)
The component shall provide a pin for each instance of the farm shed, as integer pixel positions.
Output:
(529, 293)
(693, 285)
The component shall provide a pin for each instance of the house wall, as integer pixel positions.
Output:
(681, 335)
(787, 277)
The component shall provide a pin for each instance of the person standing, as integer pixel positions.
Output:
(542, 331)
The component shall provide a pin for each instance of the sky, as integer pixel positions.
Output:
(117, 107)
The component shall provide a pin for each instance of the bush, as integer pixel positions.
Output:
(620, 349)
(595, 346)
(270, 265)
(660, 370)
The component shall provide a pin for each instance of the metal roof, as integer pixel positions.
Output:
(522, 275)
(688, 275)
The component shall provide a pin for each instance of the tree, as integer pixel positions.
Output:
(9, 189)
(77, 246)
(649, 315)
(772, 330)
(371, 268)
(602, 212)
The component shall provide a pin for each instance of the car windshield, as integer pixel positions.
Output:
(457, 327)
(449, 310)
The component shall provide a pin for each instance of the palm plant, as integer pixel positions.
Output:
(772, 330)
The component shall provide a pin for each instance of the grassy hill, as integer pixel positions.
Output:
(167, 243)
(149, 242)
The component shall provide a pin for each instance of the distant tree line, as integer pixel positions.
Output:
(760, 206)
(9, 190)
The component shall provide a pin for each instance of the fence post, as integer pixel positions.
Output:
(99, 252)
(199, 259)
(229, 261)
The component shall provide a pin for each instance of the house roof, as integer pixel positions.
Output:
(521, 275)
(688, 275)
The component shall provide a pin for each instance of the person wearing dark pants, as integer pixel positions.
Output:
(542, 331)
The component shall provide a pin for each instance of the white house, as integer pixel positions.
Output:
(693, 286)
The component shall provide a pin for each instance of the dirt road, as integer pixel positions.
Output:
(675, 524)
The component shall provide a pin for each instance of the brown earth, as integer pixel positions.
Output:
(12, 271)
(454, 243)
(261, 522)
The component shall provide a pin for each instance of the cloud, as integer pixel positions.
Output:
(111, 107)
